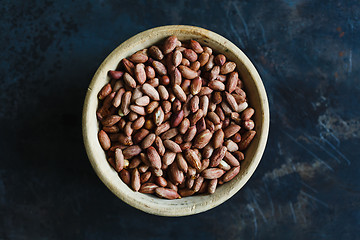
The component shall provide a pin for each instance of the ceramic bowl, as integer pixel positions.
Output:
(188, 205)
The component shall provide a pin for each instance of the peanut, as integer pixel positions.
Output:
(156, 53)
(104, 140)
(176, 116)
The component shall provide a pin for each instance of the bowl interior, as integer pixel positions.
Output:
(194, 204)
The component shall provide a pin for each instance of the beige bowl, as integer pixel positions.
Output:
(187, 205)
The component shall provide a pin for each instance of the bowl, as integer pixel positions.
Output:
(188, 205)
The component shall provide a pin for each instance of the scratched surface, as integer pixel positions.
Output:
(308, 182)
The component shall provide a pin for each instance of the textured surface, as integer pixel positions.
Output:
(307, 184)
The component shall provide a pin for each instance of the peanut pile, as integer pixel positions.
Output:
(175, 119)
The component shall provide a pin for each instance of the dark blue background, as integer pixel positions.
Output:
(307, 53)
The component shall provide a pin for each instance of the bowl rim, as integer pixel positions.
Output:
(87, 114)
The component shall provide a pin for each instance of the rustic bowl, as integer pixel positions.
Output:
(188, 205)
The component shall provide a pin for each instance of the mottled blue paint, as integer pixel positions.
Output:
(307, 54)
